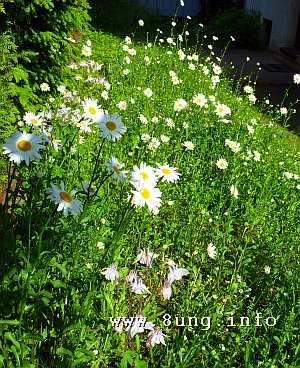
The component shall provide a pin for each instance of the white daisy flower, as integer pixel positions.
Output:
(23, 147)
(234, 191)
(217, 69)
(104, 95)
(180, 105)
(107, 85)
(156, 336)
(122, 105)
(211, 250)
(192, 66)
(222, 110)
(248, 89)
(64, 199)
(252, 98)
(146, 257)
(89, 189)
(141, 23)
(84, 126)
(143, 175)
(267, 270)
(154, 144)
(250, 129)
(283, 111)
(91, 110)
(164, 138)
(256, 156)
(111, 273)
(200, 100)
(116, 167)
(44, 87)
(51, 139)
(234, 146)
(111, 126)
(288, 175)
(176, 273)
(170, 123)
(86, 51)
(147, 195)
(143, 119)
(188, 145)
(147, 60)
(128, 40)
(167, 173)
(145, 137)
(296, 78)
(61, 89)
(148, 92)
(222, 163)
(215, 79)
(32, 119)
(181, 54)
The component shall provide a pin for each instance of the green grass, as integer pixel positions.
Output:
(55, 303)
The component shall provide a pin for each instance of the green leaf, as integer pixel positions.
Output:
(19, 74)
(63, 351)
(58, 284)
(9, 322)
(127, 358)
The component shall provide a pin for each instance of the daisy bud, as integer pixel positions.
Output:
(166, 290)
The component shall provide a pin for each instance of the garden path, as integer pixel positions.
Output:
(273, 80)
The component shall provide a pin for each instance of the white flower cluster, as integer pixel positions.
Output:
(144, 179)
(234, 146)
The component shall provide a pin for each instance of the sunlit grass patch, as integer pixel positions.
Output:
(149, 190)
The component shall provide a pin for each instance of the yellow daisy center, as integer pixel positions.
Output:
(166, 171)
(145, 193)
(24, 145)
(116, 169)
(92, 110)
(51, 138)
(144, 175)
(110, 125)
(65, 197)
(34, 121)
(91, 190)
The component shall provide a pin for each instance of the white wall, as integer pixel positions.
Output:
(284, 17)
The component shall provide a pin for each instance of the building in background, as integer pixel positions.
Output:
(172, 7)
(191, 7)
(280, 22)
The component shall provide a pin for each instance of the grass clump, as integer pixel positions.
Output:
(150, 189)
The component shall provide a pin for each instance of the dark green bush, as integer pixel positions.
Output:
(43, 26)
(244, 27)
(34, 48)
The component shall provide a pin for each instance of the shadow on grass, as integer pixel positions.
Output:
(120, 18)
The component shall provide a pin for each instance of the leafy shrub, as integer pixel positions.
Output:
(244, 27)
(43, 26)
(32, 35)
